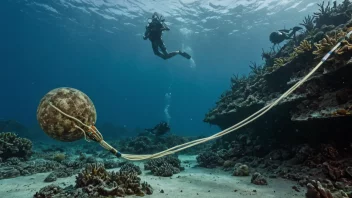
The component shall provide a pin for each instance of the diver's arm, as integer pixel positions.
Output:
(146, 33)
(165, 27)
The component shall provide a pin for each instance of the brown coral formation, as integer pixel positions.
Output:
(327, 43)
(93, 174)
(258, 179)
(95, 181)
(304, 47)
(279, 62)
(241, 170)
(165, 166)
(13, 146)
(130, 168)
(316, 190)
(346, 47)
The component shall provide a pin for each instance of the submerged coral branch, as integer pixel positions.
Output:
(327, 43)
(5, 142)
(323, 15)
(256, 69)
(278, 62)
(346, 47)
(236, 80)
(344, 6)
(308, 23)
(304, 46)
(323, 11)
(268, 54)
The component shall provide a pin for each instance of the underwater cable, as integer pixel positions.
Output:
(77, 112)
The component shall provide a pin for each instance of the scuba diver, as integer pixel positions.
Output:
(154, 31)
(160, 129)
(281, 35)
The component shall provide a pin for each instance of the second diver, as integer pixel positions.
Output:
(154, 32)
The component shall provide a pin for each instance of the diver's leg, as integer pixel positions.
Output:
(169, 55)
(164, 51)
(155, 46)
(186, 55)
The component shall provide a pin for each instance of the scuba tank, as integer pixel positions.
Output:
(156, 18)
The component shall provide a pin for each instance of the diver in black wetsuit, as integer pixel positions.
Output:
(281, 35)
(154, 31)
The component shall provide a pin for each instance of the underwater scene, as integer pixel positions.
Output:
(176, 98)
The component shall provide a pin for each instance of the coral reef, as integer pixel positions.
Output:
(241, 170)
(308, 23)
(131, 168)
(60, 174)
(304, 47)
(58, 163)
(93, 174)
(165, 166)
(109, 164)
(279, 62)
(269, 56)
(13, 146)
(209, 160)
(258, 179)
(299, 139)
(55, 160)
(322, 17)
(327, 43)
(48, 191)
(59, 157)
(256, 69)
(316, 190)
(95, 181)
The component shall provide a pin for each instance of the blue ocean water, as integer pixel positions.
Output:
(96, 46)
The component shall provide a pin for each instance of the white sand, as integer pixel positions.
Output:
(193, 182)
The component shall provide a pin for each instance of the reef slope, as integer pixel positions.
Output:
(307, 136)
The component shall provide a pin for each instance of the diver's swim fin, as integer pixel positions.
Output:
(184, 54)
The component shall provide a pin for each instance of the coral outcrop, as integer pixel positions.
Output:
(13, 146)
(165, 166)
(316, 190)
(48, 191)
(95, 181)
(46, 160)
(241, 170)
(258, 179)
(93, 174)
(131, 168)
(209, 160)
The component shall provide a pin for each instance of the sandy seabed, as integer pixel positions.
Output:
(192, 182)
